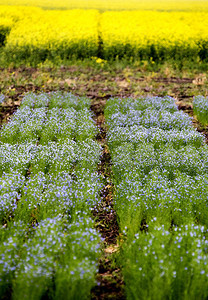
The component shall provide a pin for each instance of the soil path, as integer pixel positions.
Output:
(110, 283)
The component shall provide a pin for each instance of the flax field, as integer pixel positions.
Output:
(103, 149)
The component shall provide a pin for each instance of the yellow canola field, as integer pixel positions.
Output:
(5, 27)
(185, 5)
(156, 34)
(9, 15)
(32, 34)
(17, 13)
(49, 34)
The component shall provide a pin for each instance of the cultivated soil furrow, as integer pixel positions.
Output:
(109, 278)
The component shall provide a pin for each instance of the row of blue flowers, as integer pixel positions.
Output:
(200, 108)
(48, 187)
(160, 172)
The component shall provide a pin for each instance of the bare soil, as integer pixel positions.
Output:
(110, 283)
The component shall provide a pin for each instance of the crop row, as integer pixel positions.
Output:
(56, 124)
(49, 186)
(200, 107)
(160, 172)
(35, 35)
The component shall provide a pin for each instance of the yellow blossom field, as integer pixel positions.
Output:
(153, 34)
(50, 34)
(114, 4)
(127, 29)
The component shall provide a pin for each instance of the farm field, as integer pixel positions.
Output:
(159, 164)
(33, 35)
(113, 5)
(49, 185)
(94, 85)
(103, 149)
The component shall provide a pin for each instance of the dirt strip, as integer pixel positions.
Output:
(110, 283)
(6, 112)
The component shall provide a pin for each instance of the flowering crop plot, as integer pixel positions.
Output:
(157, 34)
(160, 172)
(49, 34)
(154, 31)
(39, 119)
(112, 4)
(55, 100)
(49, 185)
(166, 263)
(200, 107)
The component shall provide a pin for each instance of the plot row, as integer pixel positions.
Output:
(160, 172)
(49, 246)
(44, 119)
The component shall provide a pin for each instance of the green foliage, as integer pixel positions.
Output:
(48, 187)
(200, 107)
(160, 172)
(167, 264)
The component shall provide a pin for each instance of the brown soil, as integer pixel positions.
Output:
(6, 112)
(110, 284)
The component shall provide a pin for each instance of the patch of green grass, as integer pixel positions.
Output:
(103, 80)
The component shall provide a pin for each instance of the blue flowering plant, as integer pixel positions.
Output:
(163, 263)
(200, 107)
(49, 186)
(2, 98)
(160, 168)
